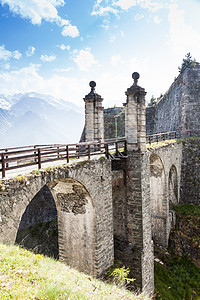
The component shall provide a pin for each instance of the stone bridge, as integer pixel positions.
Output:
(105, 208)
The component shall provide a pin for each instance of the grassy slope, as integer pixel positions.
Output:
(178, 278)
(24, 275)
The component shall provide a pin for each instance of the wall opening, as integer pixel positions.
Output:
(38, 228)
(159, 208)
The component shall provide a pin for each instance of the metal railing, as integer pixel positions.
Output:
(162, 136)
(20, 157)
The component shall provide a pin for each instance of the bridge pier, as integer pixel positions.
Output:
(134, 245)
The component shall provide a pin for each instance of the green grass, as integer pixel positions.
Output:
(24, 275)
(187, 209)
(178, 279)
(159, 144)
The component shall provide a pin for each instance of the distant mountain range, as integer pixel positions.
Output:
(32, 118)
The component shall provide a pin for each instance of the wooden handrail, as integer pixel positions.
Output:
(38, 155)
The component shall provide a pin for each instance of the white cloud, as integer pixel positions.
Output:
(139, 17)
(35, 10)
(183, 38)
(85, 60)
(70, 30)
(112, 38)
(126, 4)
(102, 11)
(115, 59)
(75, 51)
(28, 79)
(64, 47)
(47, 58)
(152, 5)
(16, 54)
(105, 24)
(103, 8)
(30, 51)
(157, 20)
(38, 10)
(64, 70)
(7, 55)
(6, 66)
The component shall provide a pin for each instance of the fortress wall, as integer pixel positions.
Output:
(179, 108)
(190, 174)
(110, 131)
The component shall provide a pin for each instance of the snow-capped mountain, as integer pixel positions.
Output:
(32, 118)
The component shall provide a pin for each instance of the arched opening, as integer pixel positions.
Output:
(76, 224)
(38, 228)
(173, 186)
(159, 207)
(173, 194)
(67, 207)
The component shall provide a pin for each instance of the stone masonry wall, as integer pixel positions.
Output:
(132, 218)
(179, 108)
(170, 156)
(190, 175)
(94, 177)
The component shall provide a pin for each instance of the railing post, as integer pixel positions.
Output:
(125, 147)
(116, 149)
(58, 152)
(77, 150)
(3, 165)
(106, 151)
(6, 150)
(67, 152)
(88, 152)
(35, 153)
(39, 159)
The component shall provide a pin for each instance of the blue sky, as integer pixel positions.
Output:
(56, 47)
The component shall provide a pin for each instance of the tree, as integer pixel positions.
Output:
(188, 62)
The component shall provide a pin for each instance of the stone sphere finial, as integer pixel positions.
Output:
(92, 84)
(135, 77)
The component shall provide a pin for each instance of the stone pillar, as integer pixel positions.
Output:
(135, 116)
(94, 116)
(139, 253)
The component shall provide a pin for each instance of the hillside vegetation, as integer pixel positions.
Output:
(177, 270)
(25, 275)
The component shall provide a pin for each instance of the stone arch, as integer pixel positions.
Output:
(159, 207)
(172, 195)
(95, 179)
(173, 185)
(69, 202)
